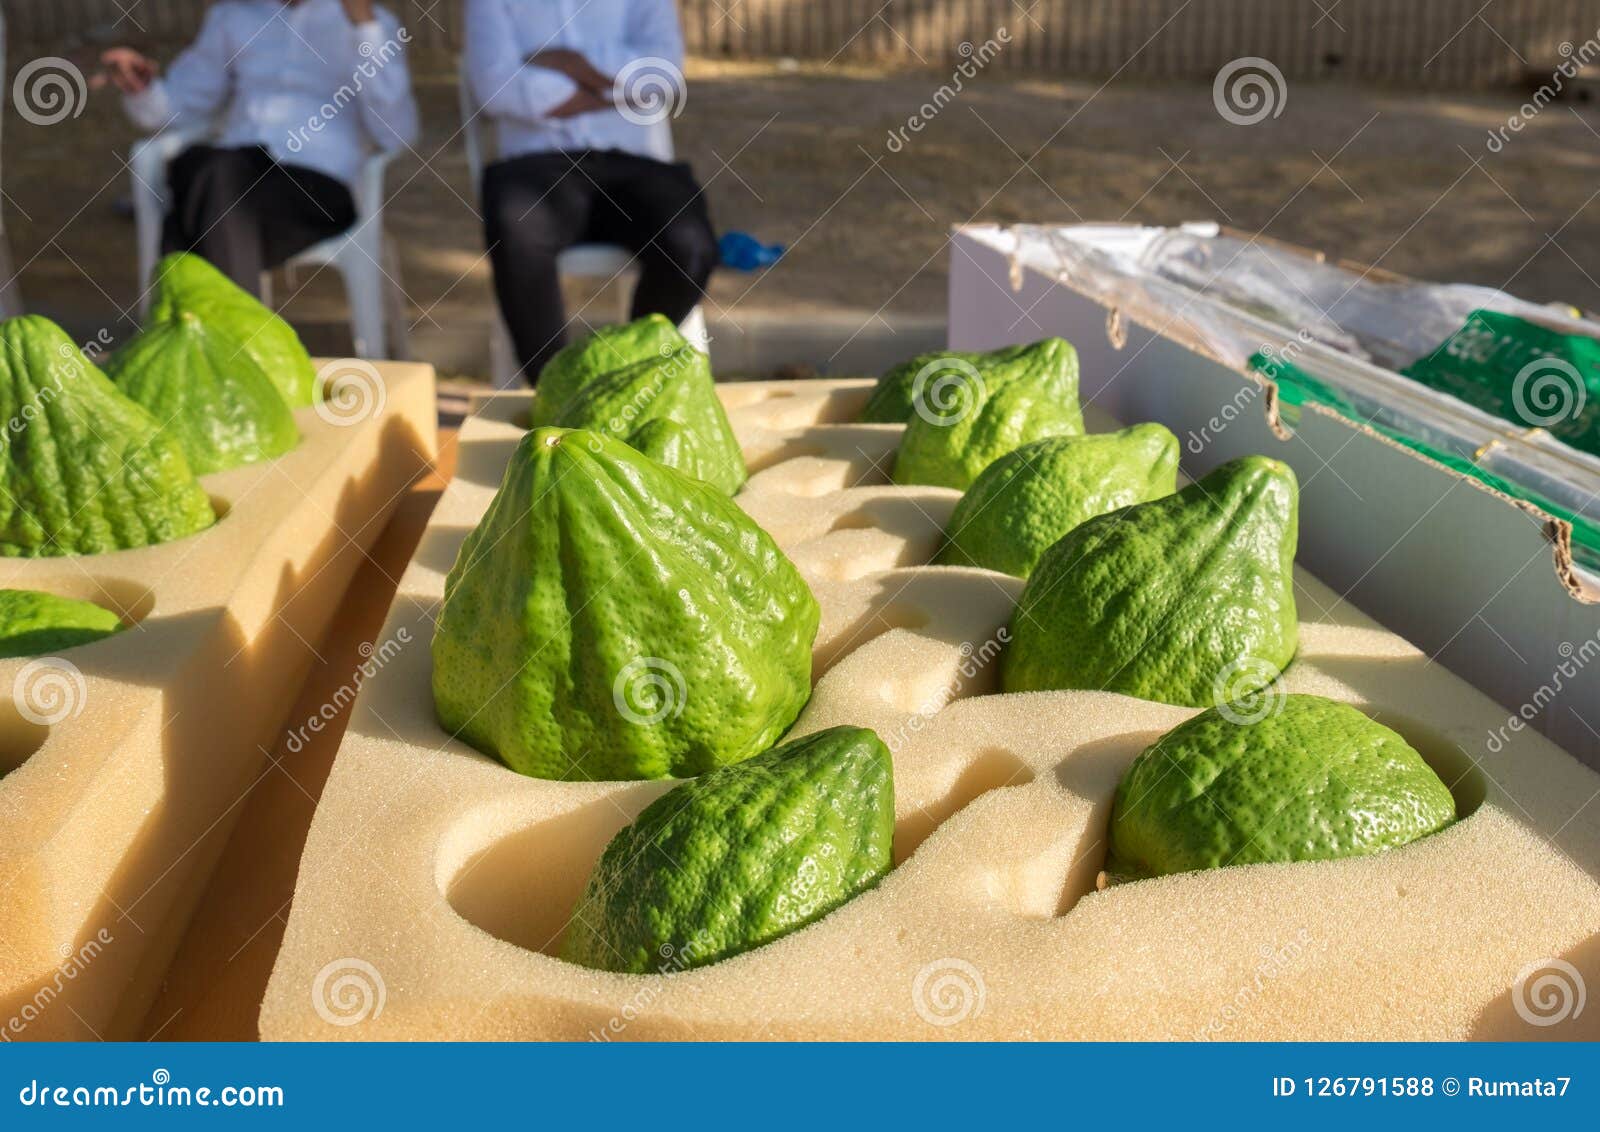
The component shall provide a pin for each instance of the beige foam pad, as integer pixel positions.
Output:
(435, 883)
(128, 757)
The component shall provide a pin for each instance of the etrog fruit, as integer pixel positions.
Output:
(606, 350)
(1313, 780)
(964, 419)
(629, 403)
(84, 470)
(1186, 600)
(612, 618)
(207, 393)
(185, 283)
(739, 857)
(1026, 500)
(921, 380)
(33, 623)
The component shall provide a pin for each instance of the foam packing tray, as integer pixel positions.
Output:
(128, 757)
(436, 883)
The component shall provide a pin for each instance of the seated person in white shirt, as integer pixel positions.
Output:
(573, 167)
(294, 94)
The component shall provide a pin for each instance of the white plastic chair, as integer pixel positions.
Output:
(581, 261)
(365, 258)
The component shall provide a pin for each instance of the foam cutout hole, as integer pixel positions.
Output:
(20, 737)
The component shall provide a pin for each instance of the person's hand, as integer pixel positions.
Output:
(360, 11)
(128, 70)
(576, 67)
(582, 101)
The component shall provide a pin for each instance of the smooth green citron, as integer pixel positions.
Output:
(1187, 600)
(185, 283)
(207, 394)
(741, 856)
(1313, 780)
(611, 618)
(34, 623)
(631, 403)
(1026, 500)
(607, 350)
(894, 399)
(964, 419)
(84, 469)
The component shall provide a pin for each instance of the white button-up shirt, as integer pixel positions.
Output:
(300, 80)
(518, 96)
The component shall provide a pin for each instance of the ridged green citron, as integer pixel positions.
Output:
(628, 405)
(207, 394)
(185, 283)
(1185, 600)
(607, 350)
(964, 419)
(612, 618)
(1026, 500)
(894, 399)
(84, 469)
(1311, 780)
(741, 856)
(34, 623)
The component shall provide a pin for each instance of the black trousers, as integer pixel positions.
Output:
(537, 205)
(247, 213)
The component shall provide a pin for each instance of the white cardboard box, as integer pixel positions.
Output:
(1482, 584)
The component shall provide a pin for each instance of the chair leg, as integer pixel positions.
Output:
(502, 358)
(693, 328)
(364, 288)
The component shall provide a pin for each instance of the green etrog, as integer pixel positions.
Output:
(84, 470)
(1313, 780)
(964, 419)
(628, 404)
(35, 624)
(741, 856)
(607, 350)
(186, 283)
(1186, 600)
(1026, 500)
(206, 393)
(611, 618)
(894, 400)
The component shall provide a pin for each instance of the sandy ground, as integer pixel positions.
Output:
(801, 156)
